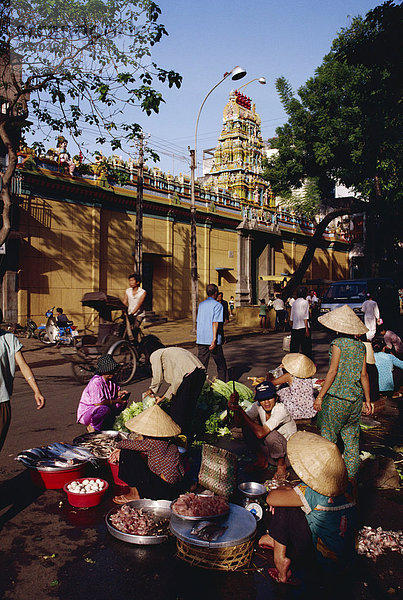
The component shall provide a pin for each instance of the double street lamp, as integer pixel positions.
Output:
(235, 74)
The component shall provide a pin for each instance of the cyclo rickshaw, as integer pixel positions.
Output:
(115, 337)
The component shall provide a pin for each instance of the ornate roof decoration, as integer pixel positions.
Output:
(237, 164)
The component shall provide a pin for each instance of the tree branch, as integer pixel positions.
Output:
(6, 181)
(350, 205)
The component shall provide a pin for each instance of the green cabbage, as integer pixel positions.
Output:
(131, 411)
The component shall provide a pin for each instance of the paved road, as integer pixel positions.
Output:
(250, 356)
(49, 550)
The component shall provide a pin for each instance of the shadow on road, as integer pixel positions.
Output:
(15, 495)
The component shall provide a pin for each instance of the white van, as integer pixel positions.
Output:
(353, 292)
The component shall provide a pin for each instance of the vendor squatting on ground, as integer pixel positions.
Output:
(266, 426)
(102, 399)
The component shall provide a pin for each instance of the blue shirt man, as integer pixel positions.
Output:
(209, 340)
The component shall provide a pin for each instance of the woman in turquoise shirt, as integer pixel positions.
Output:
(389, 368)
(315, 520)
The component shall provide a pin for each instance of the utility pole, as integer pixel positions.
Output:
(193, 241)
(138, 248)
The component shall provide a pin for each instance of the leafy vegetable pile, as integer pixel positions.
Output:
(210, 415)
(131, 411)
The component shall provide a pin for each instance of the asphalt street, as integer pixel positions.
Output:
(50, 550)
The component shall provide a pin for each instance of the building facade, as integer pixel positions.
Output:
(74, 230)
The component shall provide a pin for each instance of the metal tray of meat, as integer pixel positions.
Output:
(157, 508)
(203, 518)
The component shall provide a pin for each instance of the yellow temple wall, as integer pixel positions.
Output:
(68, 249)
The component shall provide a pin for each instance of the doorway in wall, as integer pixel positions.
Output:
(148, 271)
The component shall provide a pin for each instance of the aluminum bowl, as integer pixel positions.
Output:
(158, 508)
(252, 489)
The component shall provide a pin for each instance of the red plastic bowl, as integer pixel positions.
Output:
(55, 480)
(115, 474)
(85, 500)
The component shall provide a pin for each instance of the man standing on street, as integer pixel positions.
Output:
(371, 316)
(134, 299)
(279, 307)
(299, 321)
(209, 341)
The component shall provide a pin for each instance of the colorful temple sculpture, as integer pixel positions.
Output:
(237, 162)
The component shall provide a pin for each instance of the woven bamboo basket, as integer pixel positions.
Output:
(229, 558)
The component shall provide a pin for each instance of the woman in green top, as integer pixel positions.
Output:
(345, 386)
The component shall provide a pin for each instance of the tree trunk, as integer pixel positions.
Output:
(6, 179)
(314, 242)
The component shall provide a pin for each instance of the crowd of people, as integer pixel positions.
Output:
(315, 518)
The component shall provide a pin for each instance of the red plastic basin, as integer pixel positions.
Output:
(115, 474)
(55, 480)
(85, 500)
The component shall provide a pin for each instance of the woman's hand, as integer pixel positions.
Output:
(368, 408)
(115, 455)
(318, 403)
(39, 401)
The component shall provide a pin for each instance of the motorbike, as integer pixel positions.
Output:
(31, 329)
(53, 334)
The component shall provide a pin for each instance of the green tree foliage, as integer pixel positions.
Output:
(346, 126)
(65, 63)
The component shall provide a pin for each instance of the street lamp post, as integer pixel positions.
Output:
(236, 73)
(261, 80)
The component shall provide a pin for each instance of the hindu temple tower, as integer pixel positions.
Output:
(237, 161)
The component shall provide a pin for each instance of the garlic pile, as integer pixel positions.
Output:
(374, 542)
(87, 486)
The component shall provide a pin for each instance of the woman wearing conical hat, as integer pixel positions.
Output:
(297, 395)
(150, 463)
(339, 401)
(315, 520)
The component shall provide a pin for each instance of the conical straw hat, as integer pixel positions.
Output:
(318, 463)
(299, 365)
(343, 320)
(154, 422)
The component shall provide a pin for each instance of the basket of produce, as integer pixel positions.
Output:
(144, 522)
(85, 493)
(194, 507)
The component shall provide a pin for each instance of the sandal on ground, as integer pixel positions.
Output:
(121, 500)
(279, 478)
(274, 574)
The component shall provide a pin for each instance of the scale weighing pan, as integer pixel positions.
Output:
(252, 489)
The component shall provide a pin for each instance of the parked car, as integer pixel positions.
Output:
(353, 292)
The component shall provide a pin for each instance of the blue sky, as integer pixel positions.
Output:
(269, 38)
